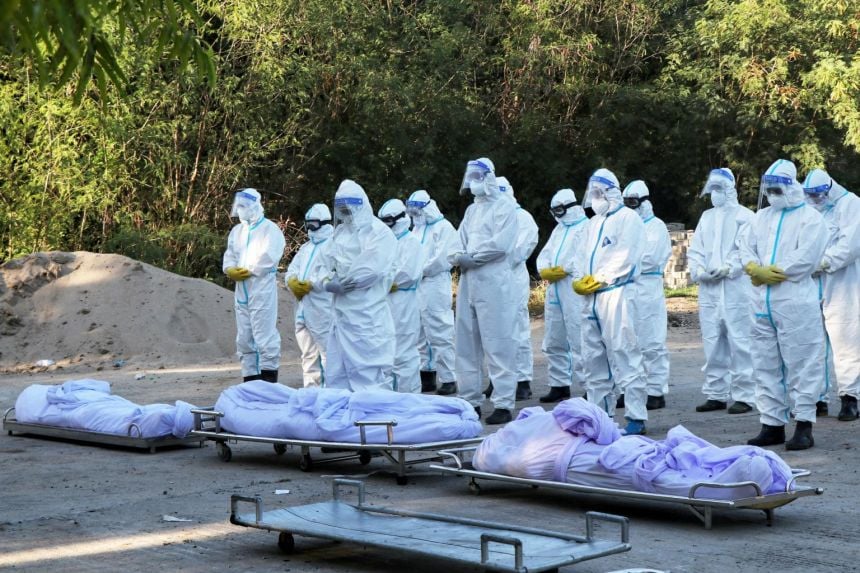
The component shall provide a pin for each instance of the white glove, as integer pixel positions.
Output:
(721, 272)
(824, 266)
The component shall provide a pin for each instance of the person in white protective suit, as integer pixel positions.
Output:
(839, 273)
(360, 347)
(562, 344)
(527, 238)
(486, 296)
(403, 299)
(725, 297)
(254, 249)
(652, 327)
(436, 340)
(304, 278)
(780, 250)
(605, 273)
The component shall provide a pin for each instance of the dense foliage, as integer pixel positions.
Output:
(398, 95)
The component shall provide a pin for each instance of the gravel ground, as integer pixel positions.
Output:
(71, 507)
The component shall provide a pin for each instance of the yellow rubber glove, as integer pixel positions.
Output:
(552, 274)
(237, 273)
(306, 287)
(760, 275)
(586, 285)
(295, 285)
(393, 288)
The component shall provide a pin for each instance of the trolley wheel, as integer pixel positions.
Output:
(280, 449)
(286, 542)
(223, 451)
(306, 463)
(364, 457)
(401, 480)
(474, 487)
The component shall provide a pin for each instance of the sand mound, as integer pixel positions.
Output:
(95, 310)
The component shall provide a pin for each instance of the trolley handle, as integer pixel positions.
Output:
(453, 453)
(134, 429)
(7, 412)
(234, 504)
(357, 484)
(592, 516)
(362, 424)
(202, 415)
(487, 538)
(735, 485)
(795, 474)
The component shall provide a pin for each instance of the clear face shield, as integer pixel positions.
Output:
(596, 190)
(415, 209)
(818, 196)
(244, 205)
(775, 188)
(718, 182)
(346, 208)
(475, 179)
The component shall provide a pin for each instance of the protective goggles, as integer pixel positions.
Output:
(391, 220)
(316, 224)
(558, 211)
(633, 202)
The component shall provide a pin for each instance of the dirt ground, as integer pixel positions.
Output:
(71, 507)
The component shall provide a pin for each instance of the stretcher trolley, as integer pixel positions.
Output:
(207, 425)
(493, 546)
(701, 507)
(132, 439)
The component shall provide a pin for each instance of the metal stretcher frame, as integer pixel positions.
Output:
(493, 546)
(133, 439)
(207, 425)
(700, 507)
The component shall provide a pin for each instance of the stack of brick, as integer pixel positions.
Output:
(677, 273)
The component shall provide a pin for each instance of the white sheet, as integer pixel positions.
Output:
(88, 405)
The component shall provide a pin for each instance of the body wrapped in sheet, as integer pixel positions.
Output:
(89, 405)
(578, 443)
(258, 408)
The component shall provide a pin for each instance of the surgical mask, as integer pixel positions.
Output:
(600, 205)
(718, 198)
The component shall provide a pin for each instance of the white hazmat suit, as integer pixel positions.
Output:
(527, 239)
(361, 342)
(486, 297)
(606, 270)
(310, 266)
(403, 299)
(725, 297)
(562, 343)
(839, 273)
(781, 249)
(652, 327)
(254, 249)
(438, 241)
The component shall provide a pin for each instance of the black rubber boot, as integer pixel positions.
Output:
(269, 376)
(769, 436)
(524, 390)
(711, 405)
(447, 389)
(848, 411)
(499, 416)
(740, 408)
(478, 411)
(821, 408)
(252, 377)
(802, 438)
(488, 391)
(428, 380)
(655, 402)
(556, 394)
(619, 403)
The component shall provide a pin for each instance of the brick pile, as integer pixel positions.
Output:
(677, 274)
